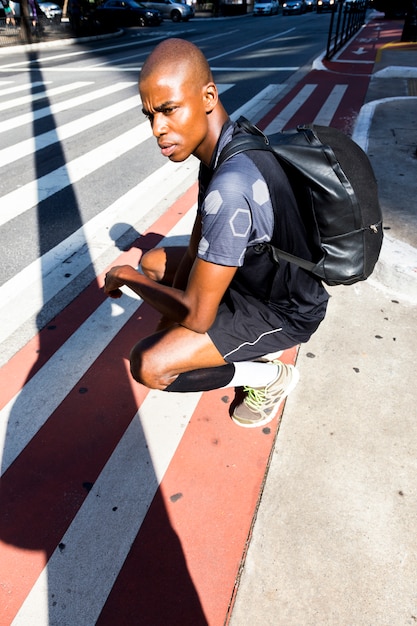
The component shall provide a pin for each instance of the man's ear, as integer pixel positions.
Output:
(211, 97)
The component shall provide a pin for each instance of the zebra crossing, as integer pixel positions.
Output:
(105, 485)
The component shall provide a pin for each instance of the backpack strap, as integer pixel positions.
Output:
(256, 140)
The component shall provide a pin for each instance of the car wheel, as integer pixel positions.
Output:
(176, 16)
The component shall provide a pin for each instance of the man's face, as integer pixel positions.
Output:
(177, 109)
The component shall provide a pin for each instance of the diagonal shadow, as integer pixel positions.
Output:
(48, 481)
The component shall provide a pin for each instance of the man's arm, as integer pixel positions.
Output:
(184, 268)
(197, 289)
(195, 307)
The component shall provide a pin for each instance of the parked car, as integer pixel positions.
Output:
(51, 11)
(175, 11)
(311, 5)
(265, 7)
(290, 7)
(325, 5)
(126, 13)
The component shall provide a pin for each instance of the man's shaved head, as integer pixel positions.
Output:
(180, 99)
(179, 56)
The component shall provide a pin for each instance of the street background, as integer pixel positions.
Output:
(123, 505)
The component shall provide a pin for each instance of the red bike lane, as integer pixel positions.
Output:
(351, 69)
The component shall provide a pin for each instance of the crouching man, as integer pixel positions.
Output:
(224, 302)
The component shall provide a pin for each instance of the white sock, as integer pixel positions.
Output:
(253, 374)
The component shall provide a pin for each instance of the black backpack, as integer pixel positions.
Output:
(336, 193)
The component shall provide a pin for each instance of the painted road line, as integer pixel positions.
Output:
(52, 109)
(61, 133)
(25, 87)
(120, 499)
(288, 111)
(47, 93)
(45, 277)
(189, 549)
(59, 449)
(329, 108)
(27, 411)
(26, 197)
(253, 107)
(249, 45)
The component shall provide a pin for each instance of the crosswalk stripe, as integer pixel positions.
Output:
(24, 148)
(52, 109)
(24, 198)
(17, 88)
(40, 281)
(35, 402)
(93, 236)
(252, 108)
(327, 111)
(47, 93)
(71, 360)
(61, 133)
(287, 112)
(132, 493)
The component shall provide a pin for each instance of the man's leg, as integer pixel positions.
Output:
(160, 264)
(178, 359)
(159, 359)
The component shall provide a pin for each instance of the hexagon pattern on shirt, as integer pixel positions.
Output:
(213, 202)
(237, 212)
(240, 222)
(260, 192)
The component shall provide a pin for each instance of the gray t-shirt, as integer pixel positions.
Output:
(236, 211)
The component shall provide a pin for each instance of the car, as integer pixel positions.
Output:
(290, 7)
(51, 11)
(126, 13)
(175, 11)
(265, 7)
(311, 5)
(325, 5)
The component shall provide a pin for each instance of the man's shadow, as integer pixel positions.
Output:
(48, 478)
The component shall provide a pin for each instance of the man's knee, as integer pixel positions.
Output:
(153, 264)
(138, 364)
(146, 367)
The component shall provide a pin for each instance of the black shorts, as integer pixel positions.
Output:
(246, 329)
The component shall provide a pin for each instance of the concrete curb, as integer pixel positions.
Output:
(396, 71)
(396, 270)
(363, 123)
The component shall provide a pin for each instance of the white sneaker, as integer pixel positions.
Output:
(261, 404)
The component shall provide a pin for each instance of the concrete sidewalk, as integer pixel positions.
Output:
(334, 541)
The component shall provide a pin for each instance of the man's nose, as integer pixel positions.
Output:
(158, 124)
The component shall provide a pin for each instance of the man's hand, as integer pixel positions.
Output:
(112, 283)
